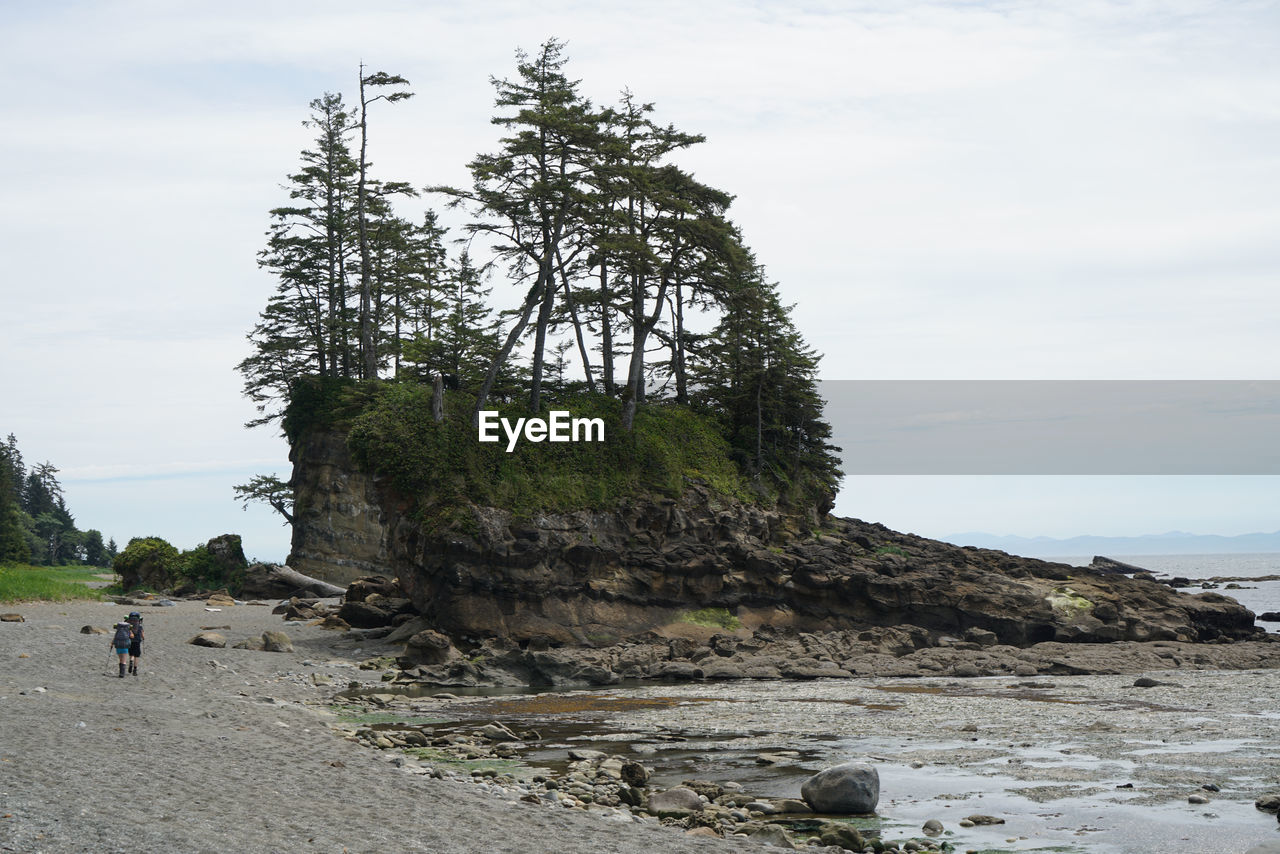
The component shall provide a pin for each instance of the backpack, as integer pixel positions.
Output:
(123, 636)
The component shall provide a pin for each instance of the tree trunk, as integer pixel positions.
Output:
(682, 382)
(540, 333)
(500, 357)
(577, 325)
(606, 331)
(369, 358)
(437, 397)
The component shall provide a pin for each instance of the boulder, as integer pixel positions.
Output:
(221, 599)
(677, 801)
(846, 789)
(634, 774)
(254, 644)
(92, 630)
(276, 642)
(227, 553)
(773, 836)
(429, 647)
(841, 836)
(360, 589)
(1268, 803)
(362, 615)
(210, 639)
(12, 618)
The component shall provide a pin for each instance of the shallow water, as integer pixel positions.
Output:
(1048, 761)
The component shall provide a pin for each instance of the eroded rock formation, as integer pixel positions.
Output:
(594, 578)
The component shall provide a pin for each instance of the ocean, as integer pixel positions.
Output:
(1258, 596)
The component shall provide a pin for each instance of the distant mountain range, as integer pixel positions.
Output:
(1172, 543)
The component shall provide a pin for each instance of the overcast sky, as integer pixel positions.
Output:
(1073, 190)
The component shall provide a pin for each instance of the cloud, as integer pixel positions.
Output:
(946, 190)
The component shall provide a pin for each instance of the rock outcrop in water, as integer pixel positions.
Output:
(594, 578)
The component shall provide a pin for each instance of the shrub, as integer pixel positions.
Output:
(147, 562)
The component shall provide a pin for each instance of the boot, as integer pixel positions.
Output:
(122, 670)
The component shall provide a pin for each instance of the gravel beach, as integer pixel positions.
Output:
(213, 750)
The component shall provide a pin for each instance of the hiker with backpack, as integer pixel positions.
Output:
(120, 642)
(135, 641)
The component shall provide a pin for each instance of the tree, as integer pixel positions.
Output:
(112, 549)
(307, 325)
(267, 489)
(95, 553)
(13, 540)
(760, 377)
(529, 197)
(378, 79)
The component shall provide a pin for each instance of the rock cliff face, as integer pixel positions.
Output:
(593, 578)
(338, 525)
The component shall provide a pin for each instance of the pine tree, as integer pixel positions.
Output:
(760, 378)
(367, 319)
(308, 324)
(529, 197)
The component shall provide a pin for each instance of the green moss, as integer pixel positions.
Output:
(444, 467)
(712, 618)
(1066, 601)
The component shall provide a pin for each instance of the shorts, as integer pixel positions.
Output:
(135, 650)
(122, 650)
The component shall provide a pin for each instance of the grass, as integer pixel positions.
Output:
(892, 550)
(712, 618)
(23, 583)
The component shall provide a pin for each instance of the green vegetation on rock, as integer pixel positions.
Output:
(618, 260)
(155, 564)
(442, 464)
(712, 618)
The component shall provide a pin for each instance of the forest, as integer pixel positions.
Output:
(625, 286)
(35, 524)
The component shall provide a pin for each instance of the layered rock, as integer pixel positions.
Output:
(338, 526)
(593, 578)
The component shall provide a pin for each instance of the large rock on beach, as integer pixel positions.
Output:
(675, 801)
(848, 789)
(210, 639)
(276, 642)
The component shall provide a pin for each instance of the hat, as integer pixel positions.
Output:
(133, 614)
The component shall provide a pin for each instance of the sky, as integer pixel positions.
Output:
(945, 191)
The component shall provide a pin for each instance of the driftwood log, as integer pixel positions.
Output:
(265, 580)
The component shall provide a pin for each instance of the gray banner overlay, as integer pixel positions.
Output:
(1044, 427)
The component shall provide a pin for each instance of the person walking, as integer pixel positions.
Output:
(135, 641)
(120, 642)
